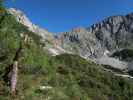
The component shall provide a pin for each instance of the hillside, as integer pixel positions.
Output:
(44, 77)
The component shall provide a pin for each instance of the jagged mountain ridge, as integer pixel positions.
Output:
(101, 40)
(112, 33)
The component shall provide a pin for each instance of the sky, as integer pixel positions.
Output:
(63, 15)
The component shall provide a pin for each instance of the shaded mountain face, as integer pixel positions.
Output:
(101, 40)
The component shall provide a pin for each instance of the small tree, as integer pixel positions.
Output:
(2, 8)
(14, 70)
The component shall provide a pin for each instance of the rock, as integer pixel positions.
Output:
(45, 87)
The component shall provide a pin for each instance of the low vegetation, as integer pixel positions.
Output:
(125, 54)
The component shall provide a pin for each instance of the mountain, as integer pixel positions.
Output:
(100, 41)
(39, 75)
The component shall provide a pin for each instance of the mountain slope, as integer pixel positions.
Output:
(21, 18)
(48, 40)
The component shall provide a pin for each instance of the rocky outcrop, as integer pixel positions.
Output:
(81, 42)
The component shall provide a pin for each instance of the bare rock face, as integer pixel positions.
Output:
(21, 17)
(82, 42)
(101, 40)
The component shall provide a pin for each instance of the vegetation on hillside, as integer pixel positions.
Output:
(125, 54)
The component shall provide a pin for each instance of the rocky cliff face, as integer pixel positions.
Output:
(101, 40)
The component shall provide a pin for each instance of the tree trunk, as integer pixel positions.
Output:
(11, 74)
(14, 75)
